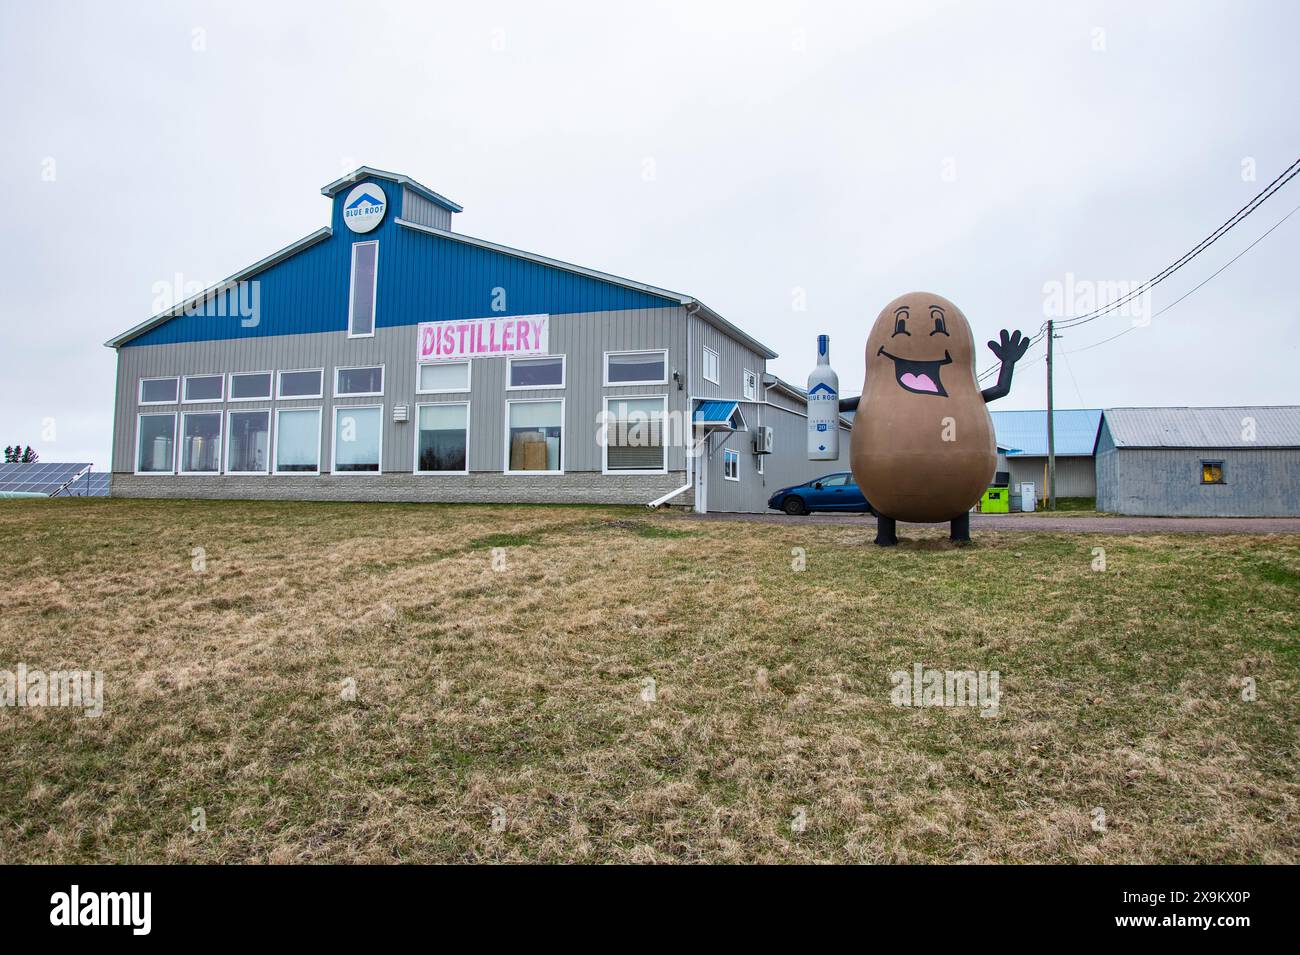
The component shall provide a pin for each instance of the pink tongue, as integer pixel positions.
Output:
(918, 382)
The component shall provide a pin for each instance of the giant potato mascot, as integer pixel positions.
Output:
(922, 447)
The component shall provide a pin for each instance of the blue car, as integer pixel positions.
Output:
(831, 492)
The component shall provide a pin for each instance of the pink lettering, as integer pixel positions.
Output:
(521, 335)
(538, 326)
(508, 336)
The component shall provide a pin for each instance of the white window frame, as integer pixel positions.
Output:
(230, 382)
(636, 351)
(564, 373)
(564, 438)
(270, 449)
(374, 291)
(221, 443)
(146, 404)
(275, 442)
(733, 455)
(415, 461)
(469, 377)
(751, 394)
(279, 379)
(383, 381)
(334, 432)
(717, 359)
(155, 414)
(604, 442)
(204, 401)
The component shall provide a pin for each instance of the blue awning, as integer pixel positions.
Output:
(719, 416)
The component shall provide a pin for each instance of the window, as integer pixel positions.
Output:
(361, 298)
(442, 377)
(250, 386)
(441, 438)
(710, 365)
(536, 372)
(731, 464)
(835, 480)
(204, 387)
(358, 381)
(248, 442)
(201, 443)
(636, 367)
(751, 386)
(1212, 472)
(301, 384)
(159, 391)
(534, 436)
(297, 441)
(634, 435)
(155, 444)
(358, 439)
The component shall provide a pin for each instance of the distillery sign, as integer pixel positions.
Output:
(484, 338)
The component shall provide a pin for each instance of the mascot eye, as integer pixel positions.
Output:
(940, 326)
(900, 326)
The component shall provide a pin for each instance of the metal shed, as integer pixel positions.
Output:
(1200, 462)
(1022, 449)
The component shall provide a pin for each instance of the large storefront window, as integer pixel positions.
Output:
(155, 444)
(441, 442)
(358, 439)
(201, 443)
(297, 441)
(249, 442)
(535, 435)
(634, 434)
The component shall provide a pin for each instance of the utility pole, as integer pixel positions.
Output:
(1051, 425)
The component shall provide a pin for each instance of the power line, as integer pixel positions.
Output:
(1206, 281)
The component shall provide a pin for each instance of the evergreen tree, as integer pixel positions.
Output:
(30, 456)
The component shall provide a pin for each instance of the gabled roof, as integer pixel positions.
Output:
(719, 416)
(1247, 426)
(224, 285)
(367, 172)
(1024, 433)
(692, 305)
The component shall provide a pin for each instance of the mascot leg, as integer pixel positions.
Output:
(886, 531)
(961, 529)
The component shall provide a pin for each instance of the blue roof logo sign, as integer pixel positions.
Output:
(364, 207)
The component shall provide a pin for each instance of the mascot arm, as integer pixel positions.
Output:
(1009, 350)
(850, 404)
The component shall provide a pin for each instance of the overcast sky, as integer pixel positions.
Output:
(758, 156)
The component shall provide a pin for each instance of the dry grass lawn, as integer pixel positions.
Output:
(499, 714)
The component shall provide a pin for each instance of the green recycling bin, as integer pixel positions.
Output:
(996, 500)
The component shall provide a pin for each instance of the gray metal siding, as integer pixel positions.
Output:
(1075, 476)
(582, 338)
(1263, 482)
(734, 359)
(416, 208)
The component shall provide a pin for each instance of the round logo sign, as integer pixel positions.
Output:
(364, 207)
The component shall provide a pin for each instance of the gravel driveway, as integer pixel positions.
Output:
(1082, 524)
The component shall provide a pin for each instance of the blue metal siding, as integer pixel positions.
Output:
(422, 278)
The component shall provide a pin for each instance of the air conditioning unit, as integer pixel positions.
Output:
(763, 441)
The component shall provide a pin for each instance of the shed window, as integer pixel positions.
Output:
(1212, 472)
(365, 278)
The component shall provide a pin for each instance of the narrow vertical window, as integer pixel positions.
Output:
(361, 300)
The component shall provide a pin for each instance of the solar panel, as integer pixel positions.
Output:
(41, 477)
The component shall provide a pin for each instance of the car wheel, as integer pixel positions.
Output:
(794, 506)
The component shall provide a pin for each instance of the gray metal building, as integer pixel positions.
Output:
(387, 357)
(1204, 462)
